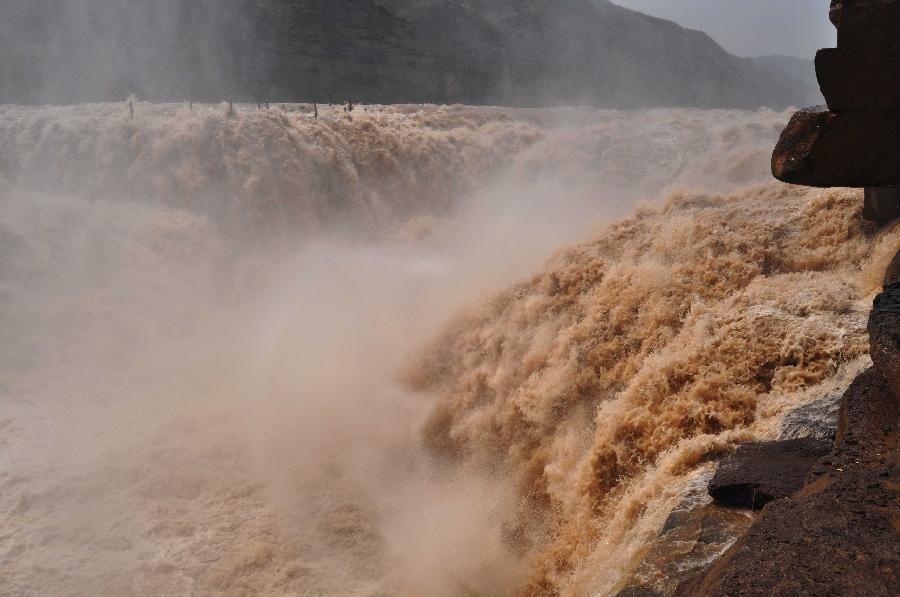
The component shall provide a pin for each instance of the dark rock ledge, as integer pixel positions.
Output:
(760, 472)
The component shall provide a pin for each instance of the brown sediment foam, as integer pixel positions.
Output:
(665, 335)
(387, 165)
(709, 313)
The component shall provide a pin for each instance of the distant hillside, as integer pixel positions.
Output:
(516, 52)
(799, 69)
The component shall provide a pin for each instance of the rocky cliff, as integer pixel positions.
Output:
(518, 52)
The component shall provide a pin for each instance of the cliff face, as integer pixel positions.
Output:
(519, 52)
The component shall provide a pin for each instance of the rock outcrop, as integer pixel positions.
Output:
(506, 52)
(759, 472)
(837, 536)
(855, 140)
(823, 148)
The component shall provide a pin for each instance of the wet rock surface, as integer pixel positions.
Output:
(818, 420)
(760, 472)
(695, 533)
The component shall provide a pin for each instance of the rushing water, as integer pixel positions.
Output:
(267, 353)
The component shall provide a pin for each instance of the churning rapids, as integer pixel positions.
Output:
(272, 354)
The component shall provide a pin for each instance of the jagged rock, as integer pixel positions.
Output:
(859, 79)
(696, 531)
(689, 540)
(760, 472)
(816, 420)
(837, 536)
(821, 148)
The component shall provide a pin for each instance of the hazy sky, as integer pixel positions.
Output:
(751, 27)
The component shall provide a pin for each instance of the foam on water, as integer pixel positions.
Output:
(222, 370)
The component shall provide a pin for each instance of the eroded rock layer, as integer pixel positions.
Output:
(855, 141)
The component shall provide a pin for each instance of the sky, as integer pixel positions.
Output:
(751, 27)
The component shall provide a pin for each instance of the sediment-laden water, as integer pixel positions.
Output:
(412, 350)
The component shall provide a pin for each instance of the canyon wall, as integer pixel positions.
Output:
(511, 53)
